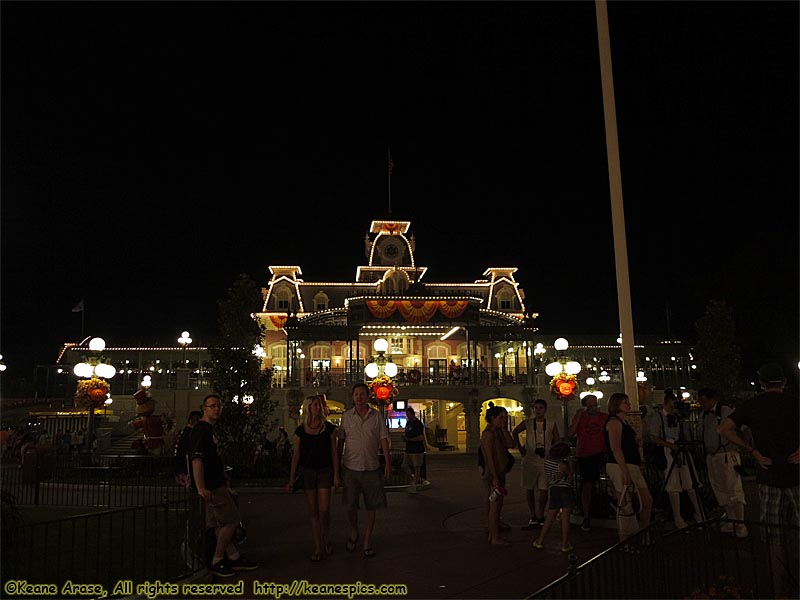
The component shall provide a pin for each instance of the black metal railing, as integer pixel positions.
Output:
(161, 542)
(92, 480)
(678, 564)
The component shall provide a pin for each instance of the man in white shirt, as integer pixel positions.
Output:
(362, 432)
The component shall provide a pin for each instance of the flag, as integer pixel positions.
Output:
(78, 307)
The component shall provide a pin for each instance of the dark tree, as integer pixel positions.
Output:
(237, 374)
(718, 357)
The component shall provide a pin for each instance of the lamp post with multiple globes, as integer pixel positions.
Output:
(381, 371)
(93, 391)
(564, 383)
(184, 341)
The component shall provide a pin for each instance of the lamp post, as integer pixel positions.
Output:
(381, 370)
(184, 341)
(93, 389)
(564, 382)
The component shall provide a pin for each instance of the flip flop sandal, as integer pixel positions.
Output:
(369, 552)
(351, 544)
(328, 548)
(316, 557)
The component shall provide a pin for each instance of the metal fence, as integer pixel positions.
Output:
(160, 542)
(92, 480)
(700, 561)
(109, 481)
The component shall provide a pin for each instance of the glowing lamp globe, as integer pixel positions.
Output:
(83, 370)
(553, 369)
(390, 369)
(380, 345)
(97, 344)
(572, 367)
(371, 370)
(561, 344)
(105, 371)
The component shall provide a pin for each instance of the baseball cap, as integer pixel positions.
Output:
(771, 373)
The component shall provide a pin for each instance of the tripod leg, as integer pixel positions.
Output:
(675, 502)
(698, 509)
(693, 495)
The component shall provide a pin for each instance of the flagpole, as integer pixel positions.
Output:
(391, 165)
(83, 316)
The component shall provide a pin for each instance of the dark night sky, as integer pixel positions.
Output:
(152, 151)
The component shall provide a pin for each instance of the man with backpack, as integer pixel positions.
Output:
(723, 461)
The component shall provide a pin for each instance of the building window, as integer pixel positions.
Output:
(321, 301)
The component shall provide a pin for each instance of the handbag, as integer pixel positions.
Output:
(510, 460)
(628, 507)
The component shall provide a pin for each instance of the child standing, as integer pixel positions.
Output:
(558, 469)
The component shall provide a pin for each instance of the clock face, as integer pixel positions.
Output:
(391, 251)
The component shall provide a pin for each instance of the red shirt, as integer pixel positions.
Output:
(590, 433)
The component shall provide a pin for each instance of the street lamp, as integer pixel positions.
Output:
(184, 341)
(93, 390)
(381, 370)
(564, 383)
(591, 391)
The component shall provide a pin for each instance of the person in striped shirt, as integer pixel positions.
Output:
(559, 472)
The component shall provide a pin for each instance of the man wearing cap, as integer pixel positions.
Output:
(774, 420)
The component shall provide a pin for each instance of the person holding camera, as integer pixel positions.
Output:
(678, 464)
(723, 461)
(539, 437)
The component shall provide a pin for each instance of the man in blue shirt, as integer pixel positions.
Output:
(415, 449)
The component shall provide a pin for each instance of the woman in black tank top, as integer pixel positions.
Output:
(623, 454)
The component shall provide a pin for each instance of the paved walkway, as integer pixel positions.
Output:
(434, 542)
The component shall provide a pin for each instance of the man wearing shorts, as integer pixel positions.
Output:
(415, 449)
(539, 436)
(774, 420)
(362, 432)
(588, 426)
(208, 477)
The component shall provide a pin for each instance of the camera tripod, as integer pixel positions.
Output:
(682, 456)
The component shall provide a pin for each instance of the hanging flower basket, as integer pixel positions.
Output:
(92, 392)
(383, 388)
(564, 386)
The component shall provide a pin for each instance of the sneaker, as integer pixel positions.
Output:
(425, 482)
(726, 527)
(242, 564)
(585, 525)
(537, 545)
(741, 530)
(567, 548)
(412, 488)
(221, 569)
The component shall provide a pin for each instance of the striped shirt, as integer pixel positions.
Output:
(556, 478)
